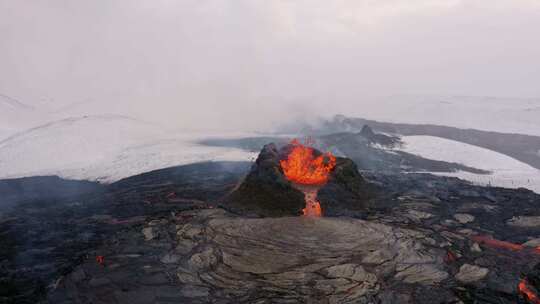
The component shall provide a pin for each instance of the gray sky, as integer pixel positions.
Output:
(243, 64)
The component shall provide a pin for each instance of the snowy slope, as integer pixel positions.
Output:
(7, 102)
(506, 171)
(104, 148)
(16, 116)
(13, 113)
(10, 112)
(6, 132)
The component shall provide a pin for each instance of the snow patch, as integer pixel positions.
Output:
(5, 133)
(104, 148)
(506, 171)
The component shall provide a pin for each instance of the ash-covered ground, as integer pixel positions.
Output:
(164, 238)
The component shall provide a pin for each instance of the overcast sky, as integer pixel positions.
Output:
(241, 64)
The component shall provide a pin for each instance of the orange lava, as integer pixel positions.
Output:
(527, 292)
(313, 210)
(308, 173)
(523, 287)
(313, 207)
(496, 243)
(302, 167)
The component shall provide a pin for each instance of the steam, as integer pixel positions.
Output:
(248, 65)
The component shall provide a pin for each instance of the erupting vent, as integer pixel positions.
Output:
(304, 168)
(308, 173)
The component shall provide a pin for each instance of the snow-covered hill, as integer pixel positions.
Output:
(506, 171)
(104, 148)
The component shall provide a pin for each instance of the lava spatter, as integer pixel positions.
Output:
(308, 173)
(303, 167)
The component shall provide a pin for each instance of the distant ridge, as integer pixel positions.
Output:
(525, 148)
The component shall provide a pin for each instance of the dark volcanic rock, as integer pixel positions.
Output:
(426, 239)
(378, 138)
(346, 190)
(52, 224)
(267, 192)
(42, 187)
(263, 260)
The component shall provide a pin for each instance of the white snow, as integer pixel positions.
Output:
(104, 148)
(506, 171)
(5, 132)
(15, 115)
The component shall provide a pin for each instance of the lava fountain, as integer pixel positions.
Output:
(308, 172)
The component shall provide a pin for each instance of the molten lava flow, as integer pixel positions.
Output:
(523, 286)
(527, 292)
(308, 173)
(313, 207)
(496, 243)
(302, 167)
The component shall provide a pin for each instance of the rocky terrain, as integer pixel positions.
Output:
(422, 247)
(162, 237)
(210, 255)
(49, 225)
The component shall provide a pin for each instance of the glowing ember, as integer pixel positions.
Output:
(302, 167)
(308, 173)
(527, 292)
(100, 260)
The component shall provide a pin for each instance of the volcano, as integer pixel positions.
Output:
(300, 180)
